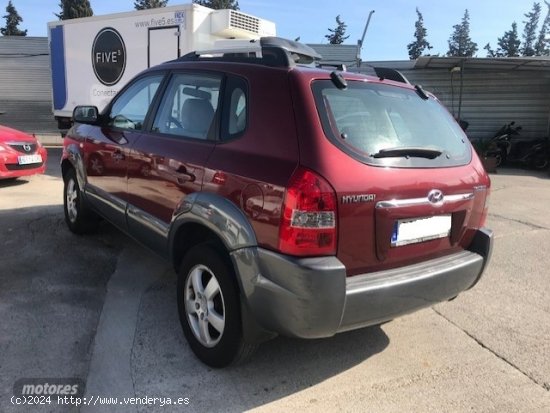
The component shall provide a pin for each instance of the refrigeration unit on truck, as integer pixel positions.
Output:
(92, 58)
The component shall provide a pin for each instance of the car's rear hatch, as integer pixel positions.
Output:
(389, 217)
(408, 185)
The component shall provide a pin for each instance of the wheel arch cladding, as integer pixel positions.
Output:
(208, 217)
(74, 159)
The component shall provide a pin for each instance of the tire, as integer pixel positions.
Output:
(79, 218)
(501, 156)
(209, 307)
(499, 159)
(540, 161)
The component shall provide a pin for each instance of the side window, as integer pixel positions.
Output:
(235, 117)
(189, 106)
(130, 108)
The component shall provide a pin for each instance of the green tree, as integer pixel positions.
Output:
(541, 47)
(12, 21)
(149, 4)
(219, 4)
(530, 30)
(490, 51)
(337, 35)
(417, 47)
(508, 44)
(460, 43)
(73, 9)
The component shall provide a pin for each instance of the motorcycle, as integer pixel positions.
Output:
(533, 152)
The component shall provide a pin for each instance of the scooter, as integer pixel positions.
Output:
(501, 144)
(533, 152)
(507, 129)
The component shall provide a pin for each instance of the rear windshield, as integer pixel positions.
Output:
(390, 126)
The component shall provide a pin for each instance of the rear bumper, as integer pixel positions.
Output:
(312, 297)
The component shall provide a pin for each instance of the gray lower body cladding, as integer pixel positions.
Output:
(313, 298)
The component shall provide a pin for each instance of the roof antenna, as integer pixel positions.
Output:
(420, 92)
(338, 80)
(360, 42)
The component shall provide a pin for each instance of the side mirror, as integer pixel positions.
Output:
(86, 114)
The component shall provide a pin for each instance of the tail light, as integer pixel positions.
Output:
(219, 178)
(483, 192)
(308, 223)
(485, 207)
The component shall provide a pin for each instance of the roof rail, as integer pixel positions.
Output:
(268, 51)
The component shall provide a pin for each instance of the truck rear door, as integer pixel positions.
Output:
(163, 44)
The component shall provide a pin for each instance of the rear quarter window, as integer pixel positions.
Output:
(236, 105)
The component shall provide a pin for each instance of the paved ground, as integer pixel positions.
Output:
(103, 309)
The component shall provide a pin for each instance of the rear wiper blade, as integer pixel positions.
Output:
(408, 151)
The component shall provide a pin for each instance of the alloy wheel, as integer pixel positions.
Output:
(204, 306)
(72, 200)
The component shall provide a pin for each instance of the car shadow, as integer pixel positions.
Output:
(52, 288)
(163, 363)
(11, 182)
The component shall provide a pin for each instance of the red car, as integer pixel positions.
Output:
(290, 199)
(20, 154)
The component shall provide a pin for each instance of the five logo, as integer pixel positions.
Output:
(108, 56)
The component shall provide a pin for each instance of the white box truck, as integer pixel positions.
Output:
(92, 58)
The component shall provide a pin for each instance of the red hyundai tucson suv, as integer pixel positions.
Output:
(290, 199)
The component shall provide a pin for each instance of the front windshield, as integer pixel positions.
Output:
(367, 118)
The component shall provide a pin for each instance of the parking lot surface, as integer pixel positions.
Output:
(102, 308)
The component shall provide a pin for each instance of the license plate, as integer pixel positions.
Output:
(411, 231)
(28, 159)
